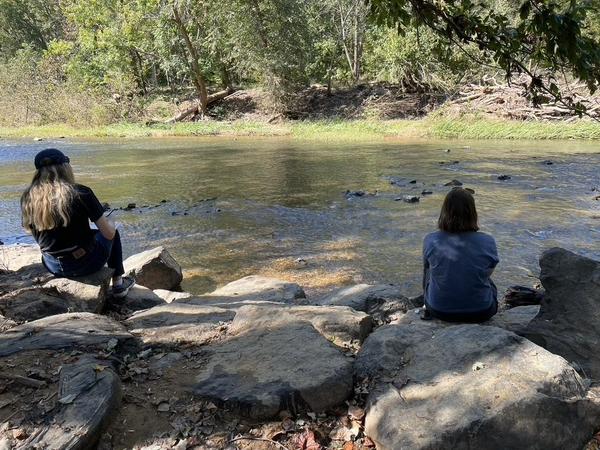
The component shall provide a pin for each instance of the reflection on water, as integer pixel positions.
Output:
(277, 207)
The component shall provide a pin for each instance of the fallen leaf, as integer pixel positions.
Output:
(306, 441)
(348, 446)
(99, 367)
(367, 442)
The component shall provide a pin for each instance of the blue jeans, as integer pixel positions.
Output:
(104, 252)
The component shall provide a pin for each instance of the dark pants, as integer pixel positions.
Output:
(104, 252)
(474, 317)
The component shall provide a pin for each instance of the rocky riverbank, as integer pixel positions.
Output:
(258, 365)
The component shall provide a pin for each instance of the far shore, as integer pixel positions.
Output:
(330, 130)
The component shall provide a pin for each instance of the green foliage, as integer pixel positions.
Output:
(135, 50)
(547, 34)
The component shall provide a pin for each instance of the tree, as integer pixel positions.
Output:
(547, 39)
(29, 22)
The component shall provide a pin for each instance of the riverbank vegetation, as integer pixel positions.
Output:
(338, 130)
(266, 67)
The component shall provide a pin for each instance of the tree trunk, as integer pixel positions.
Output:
(196, 73)
(196, 108)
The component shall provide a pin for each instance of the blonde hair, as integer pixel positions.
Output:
(46, 204)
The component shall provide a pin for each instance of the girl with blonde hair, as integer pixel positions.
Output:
(57, 212)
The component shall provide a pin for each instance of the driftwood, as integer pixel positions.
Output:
(509, 101)
(195, 109)
(89, 393)
(71, 330)
(25, 381)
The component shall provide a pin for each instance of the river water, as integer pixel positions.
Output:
(277, 207)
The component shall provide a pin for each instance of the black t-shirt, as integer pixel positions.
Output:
(84, 207)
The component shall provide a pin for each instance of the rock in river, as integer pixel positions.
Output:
(471, 386)
(570, 310)
(154, 269)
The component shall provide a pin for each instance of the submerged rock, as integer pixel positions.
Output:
(263, 372)
(471, 386)
(570, 310)
(454, 183)
(154, 269)
(504, 177)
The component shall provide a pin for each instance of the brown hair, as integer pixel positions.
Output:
(458, 212)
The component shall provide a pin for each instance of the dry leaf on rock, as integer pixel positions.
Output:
(306, 441)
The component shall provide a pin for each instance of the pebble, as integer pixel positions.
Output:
(37, 139)
(504, 177)
(426, 192)
(454, 183)
(408, 199)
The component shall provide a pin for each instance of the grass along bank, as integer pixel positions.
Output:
(431, 127)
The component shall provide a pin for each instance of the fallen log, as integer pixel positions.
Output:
(195, 109)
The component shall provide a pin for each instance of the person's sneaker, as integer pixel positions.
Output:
(122, 290)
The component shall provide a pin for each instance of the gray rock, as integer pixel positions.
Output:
(340, 325)
(383, 302)
(471, 386)
(177, 323)
(154, 269)
(169, 296)
(570, 310)
(515, 319)
(57, 296)
(87, 400)
(262, 372)
(255, 287)
(138, 298)
(72, 330)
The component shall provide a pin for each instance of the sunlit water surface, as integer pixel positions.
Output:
(277, 207)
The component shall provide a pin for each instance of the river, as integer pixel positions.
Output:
(239, 206)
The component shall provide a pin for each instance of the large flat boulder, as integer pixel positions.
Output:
(263, 372)
(89, 395)
(383, 302)
(471, 386)
(256, 287)
(57, 296)
(176, 323)
(341, 325)
(71, 330)
(570, 310)
(154, 269)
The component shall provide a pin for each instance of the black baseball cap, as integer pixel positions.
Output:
(50, 157)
